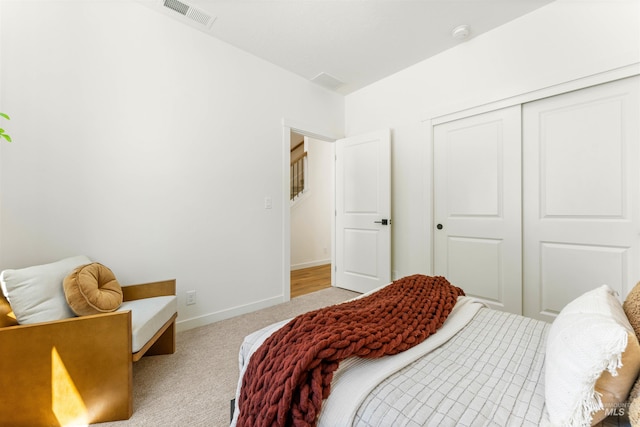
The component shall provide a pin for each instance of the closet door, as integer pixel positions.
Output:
(477, 206)
(581, 195)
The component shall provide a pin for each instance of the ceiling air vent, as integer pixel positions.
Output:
(190, 12)
(327, 80)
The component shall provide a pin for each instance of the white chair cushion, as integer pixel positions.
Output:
(36, 293)
(147, 317)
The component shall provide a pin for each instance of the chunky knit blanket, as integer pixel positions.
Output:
(290, 374)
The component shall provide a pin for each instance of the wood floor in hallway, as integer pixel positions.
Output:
(310, 279)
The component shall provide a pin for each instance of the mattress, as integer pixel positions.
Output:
(483, 367)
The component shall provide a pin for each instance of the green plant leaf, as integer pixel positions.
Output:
(2, 133)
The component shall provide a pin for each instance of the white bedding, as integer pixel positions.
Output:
(490, 373)
(482, 367)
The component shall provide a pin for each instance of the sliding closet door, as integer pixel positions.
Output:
(478, 216)
(581, 195)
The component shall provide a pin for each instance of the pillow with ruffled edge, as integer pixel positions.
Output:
(35, 293)
(588, 341)
(92, 289)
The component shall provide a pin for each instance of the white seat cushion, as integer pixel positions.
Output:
(147, 317)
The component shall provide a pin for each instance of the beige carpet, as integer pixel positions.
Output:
(193, 387)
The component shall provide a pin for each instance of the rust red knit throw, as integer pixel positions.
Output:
(290, 374)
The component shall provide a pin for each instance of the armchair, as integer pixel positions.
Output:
(79, 370)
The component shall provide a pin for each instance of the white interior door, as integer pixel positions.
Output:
(581, 195)
(477, 206)
(363, 209)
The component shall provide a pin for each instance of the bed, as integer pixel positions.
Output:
(487, 367)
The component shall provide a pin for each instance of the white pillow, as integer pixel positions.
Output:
(588, 337)
(36, 293)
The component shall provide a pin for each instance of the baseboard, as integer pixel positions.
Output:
(207, 319)
(310, 264)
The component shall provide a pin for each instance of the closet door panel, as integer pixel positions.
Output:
(485, 278)
(581, 190)
(566, 268)
(477, 186)
(582, 163)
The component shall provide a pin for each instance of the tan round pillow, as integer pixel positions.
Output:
(92, 289)
(631, 308)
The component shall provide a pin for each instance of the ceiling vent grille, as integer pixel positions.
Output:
(190, 12)
(327, 80)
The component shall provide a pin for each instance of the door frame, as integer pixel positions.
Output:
(534, 95)
(315, 132)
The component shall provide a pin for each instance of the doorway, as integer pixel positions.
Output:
(311, 206)
(319, 183)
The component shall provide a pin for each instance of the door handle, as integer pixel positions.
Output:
(384, 221)
(439, 226)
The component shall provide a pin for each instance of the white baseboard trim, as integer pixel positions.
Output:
(207, 319)
(310, 264)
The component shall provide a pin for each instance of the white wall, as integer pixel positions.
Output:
(557, 43)
(311, 213)
(131, 134)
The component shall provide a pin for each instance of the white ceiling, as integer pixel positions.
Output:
(355, 41)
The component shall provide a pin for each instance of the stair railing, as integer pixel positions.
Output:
(297, 175)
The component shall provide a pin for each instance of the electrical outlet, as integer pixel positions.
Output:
(191, 297)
